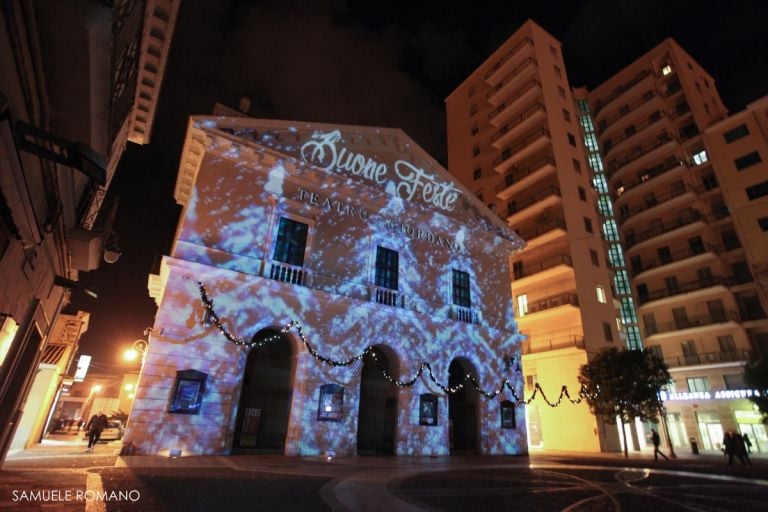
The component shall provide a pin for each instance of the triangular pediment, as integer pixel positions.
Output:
(382, 158)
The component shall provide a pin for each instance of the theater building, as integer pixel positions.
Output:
(359, 297)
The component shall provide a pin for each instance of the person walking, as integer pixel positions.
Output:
(747, 443)
(656, 441)
(729, 447)
(741, 449)
(94, 428)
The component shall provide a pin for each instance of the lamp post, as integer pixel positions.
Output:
(138, 349)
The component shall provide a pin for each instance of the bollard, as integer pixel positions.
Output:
(694, 446)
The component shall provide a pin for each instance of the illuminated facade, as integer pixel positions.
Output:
(688, 208)
(362, 240)
(514, 140)
(78, 81)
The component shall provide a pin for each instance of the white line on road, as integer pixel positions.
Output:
(93, 483)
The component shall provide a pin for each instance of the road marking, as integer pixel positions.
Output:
(93, 483)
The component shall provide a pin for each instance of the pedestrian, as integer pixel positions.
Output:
(729, 447)
(94, 428)
(747, 443)
(656, 441)
(80, 424)
(741, 449)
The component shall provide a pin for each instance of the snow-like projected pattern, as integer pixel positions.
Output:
(248, 177)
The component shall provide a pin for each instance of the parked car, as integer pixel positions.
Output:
(114, 431)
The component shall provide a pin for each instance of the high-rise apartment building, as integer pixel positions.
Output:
(689, 210)
(514, 139)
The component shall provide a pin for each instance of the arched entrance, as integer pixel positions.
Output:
(462, 409)
(377, 418)
(265, 399)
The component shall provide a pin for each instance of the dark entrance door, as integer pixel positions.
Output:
(265, 400)
(462, 411)
(377, 420)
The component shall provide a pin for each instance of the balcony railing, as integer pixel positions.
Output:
(517, 174)
(539, 107)
(674, 257)
(559, 342)
(648, 174)
(679, 289)
(654, 201)
(535, 268)
(690, 323)
(535, 198)
(462, 314)
(541, 228)
(553, 302)
(708, 358)
(608, 121)
(639, 152)
(620, 139)
(686, 218)
(514, 97)
(510, 151)
(600, 104)
(507, 56)
(289, 273)
(387, 297)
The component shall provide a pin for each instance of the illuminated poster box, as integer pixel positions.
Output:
(188, 392)
(428, 409)
(331, 403)
(508, 419)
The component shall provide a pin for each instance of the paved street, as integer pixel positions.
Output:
(60, 476)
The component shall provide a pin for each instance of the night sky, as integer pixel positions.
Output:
(371, 63)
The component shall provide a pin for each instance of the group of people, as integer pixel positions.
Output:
(737, 445)
(94, 428)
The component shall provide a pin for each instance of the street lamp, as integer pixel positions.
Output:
(138, 349)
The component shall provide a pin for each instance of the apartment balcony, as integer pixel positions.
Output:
(644, 129)
(523, 96)
(533, 205)
(736, 356)
(387, 296)
(509, 61)
(544, 232)
(642, 80)
(462, 314)
(543, 344)
(671, 168)
(551, 306)
(519, 125)
(683, 256)
(691, 287)
(683, 326)
(529, 273)
(649, 102)
(519, 178)
(669, 229)
(521, 74)
(514, 153)
(653, 204)
(642, 154)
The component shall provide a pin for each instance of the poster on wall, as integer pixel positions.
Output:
(428, 409)
(188, 391)
(331, 403)
(508, 419)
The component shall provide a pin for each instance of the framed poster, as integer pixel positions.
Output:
(508, 419)
(331, 403)
(428, 409)
(188, 392)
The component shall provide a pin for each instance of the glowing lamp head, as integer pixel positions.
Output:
(129, 387)
(96, 388)
(131, 354)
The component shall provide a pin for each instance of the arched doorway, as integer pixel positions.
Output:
(377, 417)
(462, 409)
(265, 398)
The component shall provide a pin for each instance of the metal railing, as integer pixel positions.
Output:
(553, 302)
(541, 228)
(708, 358)
(516, 174)
(639, 152)
(679, 289)
(504, 58)
(517, 120)
(647, 174)
(616, 141)
(654, 201)
(531, 200)
(600, 104)
(605, 123)
(690, 323)
(510, 151)
(535, 268)
(686, 218)
(675, 257)
(514, 97)
(559, 342)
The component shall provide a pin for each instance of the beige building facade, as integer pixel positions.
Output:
(514, 140)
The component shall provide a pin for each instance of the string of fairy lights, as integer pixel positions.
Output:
(210, 317)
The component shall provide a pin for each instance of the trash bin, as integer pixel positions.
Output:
(694, 446)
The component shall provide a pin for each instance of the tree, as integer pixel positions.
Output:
(756, 377)
(624, 383)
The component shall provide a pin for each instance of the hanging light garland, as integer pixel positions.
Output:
(210, 317)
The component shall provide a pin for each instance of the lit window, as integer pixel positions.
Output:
(700, 157)
(619, 191)
(522, 305)
(600, 294)
(698, 384)
(667, 69)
